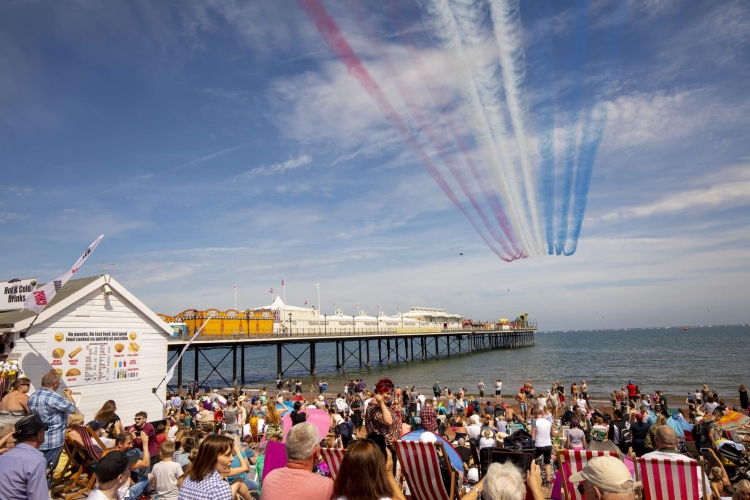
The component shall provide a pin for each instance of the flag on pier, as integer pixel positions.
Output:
(305, 301)
(235, 286)
(271, 290)
(317, 285)
(282, 281)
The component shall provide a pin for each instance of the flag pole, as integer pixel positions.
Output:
(171, 370)
(235, 296)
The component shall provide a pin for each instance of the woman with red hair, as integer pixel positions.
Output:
(380, 420)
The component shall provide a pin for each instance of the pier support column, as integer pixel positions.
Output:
(179, 376)
(242, 365)
(437, 347)
(397, 342)
(343, 357)
(234, 366)
(423, 340)
(380, 351)
(406, 350)
(195, 370)
(367, 347)
(338, 362)
(360, 353)
(411, 341)
(313, 368)
(388, 347)
(279, 374)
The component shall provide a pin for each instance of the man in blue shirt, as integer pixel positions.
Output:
(23, 469)
(54, 410)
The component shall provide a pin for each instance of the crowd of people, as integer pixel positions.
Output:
(214, 444)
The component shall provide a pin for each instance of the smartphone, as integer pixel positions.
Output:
(137, 433)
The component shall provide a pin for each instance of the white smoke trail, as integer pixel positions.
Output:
(475, 31)
(506, 17)
(445, 28)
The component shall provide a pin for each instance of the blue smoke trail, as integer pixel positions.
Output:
(593, 130)
(579, 59)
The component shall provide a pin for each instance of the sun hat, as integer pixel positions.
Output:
(427, 437)
(608, 473)
(28, 426)
(113, 464)
(487, 433)
(320, 397)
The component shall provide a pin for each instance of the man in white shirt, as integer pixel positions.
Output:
(666, 448)
(341, 405)
(498, 390)
(541, 433)
(474, 429)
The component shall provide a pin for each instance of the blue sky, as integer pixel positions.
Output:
(220, 142)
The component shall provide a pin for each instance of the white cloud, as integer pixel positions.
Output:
(639, 119)
(10, 216)
(732, 191)
(282, 167)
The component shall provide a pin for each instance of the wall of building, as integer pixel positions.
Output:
(99, 312)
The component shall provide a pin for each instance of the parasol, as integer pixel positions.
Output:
(453, 455)
(318, 418)
(732, 420)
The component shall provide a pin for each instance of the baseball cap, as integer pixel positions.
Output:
(607, 473)
(473, 475)
(113, 464)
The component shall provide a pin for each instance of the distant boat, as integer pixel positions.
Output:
(684, 328)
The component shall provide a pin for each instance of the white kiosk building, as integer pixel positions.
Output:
(103, 341)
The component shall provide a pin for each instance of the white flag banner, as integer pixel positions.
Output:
(170, 373)
(38, 299)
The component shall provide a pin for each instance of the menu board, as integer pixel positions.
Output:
(93, 357)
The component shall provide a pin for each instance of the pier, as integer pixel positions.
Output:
(395, 346)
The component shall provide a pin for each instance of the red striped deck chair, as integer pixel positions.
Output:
(419, 462)
(665, 479)
(573, 461)
(333, 457)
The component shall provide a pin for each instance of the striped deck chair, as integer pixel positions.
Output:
(573, 461)
(84, 457)
(419, 462)
(333, 457)
(665, 479)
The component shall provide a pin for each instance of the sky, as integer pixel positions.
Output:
(413, 153)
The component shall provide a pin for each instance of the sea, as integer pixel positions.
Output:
(669, 359)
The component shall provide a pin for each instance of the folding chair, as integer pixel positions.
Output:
(84, 458)
(419, 462)
(333, 457)
(576, 460)
(665, 479)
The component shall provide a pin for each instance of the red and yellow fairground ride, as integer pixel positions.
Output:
(249, 322)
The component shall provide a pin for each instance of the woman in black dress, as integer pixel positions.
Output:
(744, 400)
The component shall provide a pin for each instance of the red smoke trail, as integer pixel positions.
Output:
(425, 125)
(338, 44)
(492, 200)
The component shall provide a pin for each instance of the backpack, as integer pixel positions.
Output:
(346, 429)
(626, 437)
(700, 434)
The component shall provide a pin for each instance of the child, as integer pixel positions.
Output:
(161, 434)
(472, 478)
(717, 483)
(166, 473)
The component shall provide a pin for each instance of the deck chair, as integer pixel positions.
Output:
(83, 459)
(419, 462)
(333, 457)
(575, 461)
(665, 479)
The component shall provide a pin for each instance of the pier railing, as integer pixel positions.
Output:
(340, 332)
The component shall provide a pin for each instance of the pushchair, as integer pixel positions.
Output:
(736, 463)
